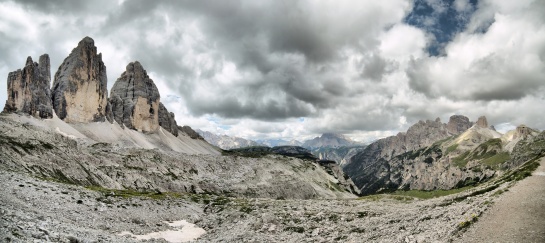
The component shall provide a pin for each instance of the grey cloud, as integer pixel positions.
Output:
(375, 67)
(231, 107)
(418, 77)
(494, 77)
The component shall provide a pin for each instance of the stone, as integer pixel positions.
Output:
(167, 121)
(135, 100)
(79, 91)
(457, 124)
(28, 89)
(482, 122)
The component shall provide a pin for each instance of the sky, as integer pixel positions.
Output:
(294, 69)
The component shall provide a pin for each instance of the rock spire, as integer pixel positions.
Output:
(458, 124)
(135, 99)
(482, 122)
(28, 89)
(79, 91)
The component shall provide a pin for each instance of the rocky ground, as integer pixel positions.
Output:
(35, 210)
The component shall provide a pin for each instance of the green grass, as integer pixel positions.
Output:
(430, 194)
(524, 171)
(461, 160)
(411, 194)
(464, 224)
(451, 148)
(497, 159)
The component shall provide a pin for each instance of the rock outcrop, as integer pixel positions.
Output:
(167, 121)
(523, 132)
(190, 132)
(79, 91)
(458, 124)
(482, 122)
(135, 100)
(28, 89)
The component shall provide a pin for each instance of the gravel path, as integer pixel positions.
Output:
(517, 216)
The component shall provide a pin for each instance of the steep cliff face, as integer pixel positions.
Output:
(79, 91)
(135, 100)
(28, 89)
(167, 121)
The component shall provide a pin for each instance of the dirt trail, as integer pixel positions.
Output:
(517, 216)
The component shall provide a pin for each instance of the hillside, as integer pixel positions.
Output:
(412, 161)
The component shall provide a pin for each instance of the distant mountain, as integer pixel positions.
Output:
(341, 155)
(279, 142)
(227, 142)
(334, 147)
(432, 155)
(329, 140)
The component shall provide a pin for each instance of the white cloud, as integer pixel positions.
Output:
(350, 67)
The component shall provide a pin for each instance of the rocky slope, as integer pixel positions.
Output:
(343, 182)
(408, 162)
(105, 155)
(40, 210)
(28, 89)
(226, 142)
(79, 92)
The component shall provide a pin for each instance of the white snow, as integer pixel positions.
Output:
(184, 232)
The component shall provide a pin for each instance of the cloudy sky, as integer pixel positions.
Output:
(295, 68)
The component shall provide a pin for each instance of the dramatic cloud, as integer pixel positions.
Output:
(294, 69)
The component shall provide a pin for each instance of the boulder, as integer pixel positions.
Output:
(79, 91)
(135, 100)
(28, 89)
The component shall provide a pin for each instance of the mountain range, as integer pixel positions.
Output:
(76, 133)
(328, 146)
(80, 164)
(432, 155)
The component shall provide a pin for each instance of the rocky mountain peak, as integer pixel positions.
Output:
(328, 140)
(79, 91)
(135, 99)
(28, 89)
(482, 122)
(458, 124)
(522, 131)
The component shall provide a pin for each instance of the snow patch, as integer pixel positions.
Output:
(184, 232)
